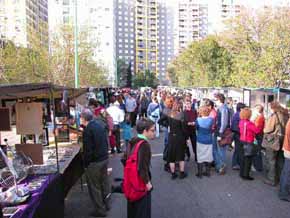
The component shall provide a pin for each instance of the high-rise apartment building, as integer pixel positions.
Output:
(21, 20)
(144, 35)
(222, 10)
(125, 31)
(166, 38)
(97, 18)
(192, 22)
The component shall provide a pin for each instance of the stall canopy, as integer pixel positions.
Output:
(37, 90)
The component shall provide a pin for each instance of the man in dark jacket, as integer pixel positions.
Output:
(95, 161)
(236, 161)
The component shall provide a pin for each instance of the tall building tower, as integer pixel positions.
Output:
(192, 22)
(146, 17)
(220, 11)
(21, 20)
(229, 9)
(96, 17)
(125, 32)
(166, 38)
(145, 35)
(101, 22)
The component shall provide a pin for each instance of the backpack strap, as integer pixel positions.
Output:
(136, 148)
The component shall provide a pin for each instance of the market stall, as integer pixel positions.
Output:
(39, 111)
(253, 96)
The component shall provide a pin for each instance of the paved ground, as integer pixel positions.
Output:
(215, 197)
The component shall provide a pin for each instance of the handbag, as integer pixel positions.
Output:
(274, 140)
(226, 138)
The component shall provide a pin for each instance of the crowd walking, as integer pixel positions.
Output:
(197, 133)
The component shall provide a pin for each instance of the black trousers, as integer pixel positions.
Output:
(143, 112)
(117, 134)
(141, 208)
(245, 162)
(192, 138)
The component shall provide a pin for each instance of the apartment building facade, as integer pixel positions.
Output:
(22, 20)
(192, 22)
(144, 35)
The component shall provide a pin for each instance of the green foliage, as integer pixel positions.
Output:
(203, 63)
(36, 64)
(254, 51)
(145, 79)
(121, 73)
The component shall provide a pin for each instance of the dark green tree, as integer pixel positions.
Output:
(145, 79)
(129, 76)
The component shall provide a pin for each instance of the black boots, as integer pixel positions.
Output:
(246, 168)
(207, 170)
(199, 170)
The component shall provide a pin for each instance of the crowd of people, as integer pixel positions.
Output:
(203, 129)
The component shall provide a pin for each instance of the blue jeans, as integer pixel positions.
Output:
(216, 156)
(284, 192)
(223, 154)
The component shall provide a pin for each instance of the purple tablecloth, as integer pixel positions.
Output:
(28, 208)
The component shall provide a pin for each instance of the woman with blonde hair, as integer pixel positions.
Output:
(248, 131)
(274, 132)
(204, 146)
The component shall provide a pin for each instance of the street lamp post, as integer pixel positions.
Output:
(76, 45)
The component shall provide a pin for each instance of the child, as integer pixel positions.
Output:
(127, 130)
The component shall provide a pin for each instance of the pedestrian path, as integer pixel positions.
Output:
(216, 197)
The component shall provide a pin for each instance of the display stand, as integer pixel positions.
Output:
(49, 94)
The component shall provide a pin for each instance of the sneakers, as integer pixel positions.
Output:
(269, 182)
(236, 167)
(222, 170)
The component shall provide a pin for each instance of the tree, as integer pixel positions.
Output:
(91, 71)
(145, 79)
(254, 51)
(259, 42)
(129, 76)
(203, 63)
(36, 64)
(122, 71)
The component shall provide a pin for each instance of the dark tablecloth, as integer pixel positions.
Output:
(48, 200)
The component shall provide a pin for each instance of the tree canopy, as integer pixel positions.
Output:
(37, 63)
(253, 51)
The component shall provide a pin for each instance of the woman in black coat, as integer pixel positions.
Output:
(176, 140)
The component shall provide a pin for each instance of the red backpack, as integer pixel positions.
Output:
(134, 187)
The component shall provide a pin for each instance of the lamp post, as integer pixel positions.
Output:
(76, 45)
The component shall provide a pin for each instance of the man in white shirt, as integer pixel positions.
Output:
(131, 106)
(118, 117)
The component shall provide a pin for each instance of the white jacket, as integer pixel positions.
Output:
(116, 113)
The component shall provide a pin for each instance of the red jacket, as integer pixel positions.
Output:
(260, 123)
(248, 130)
